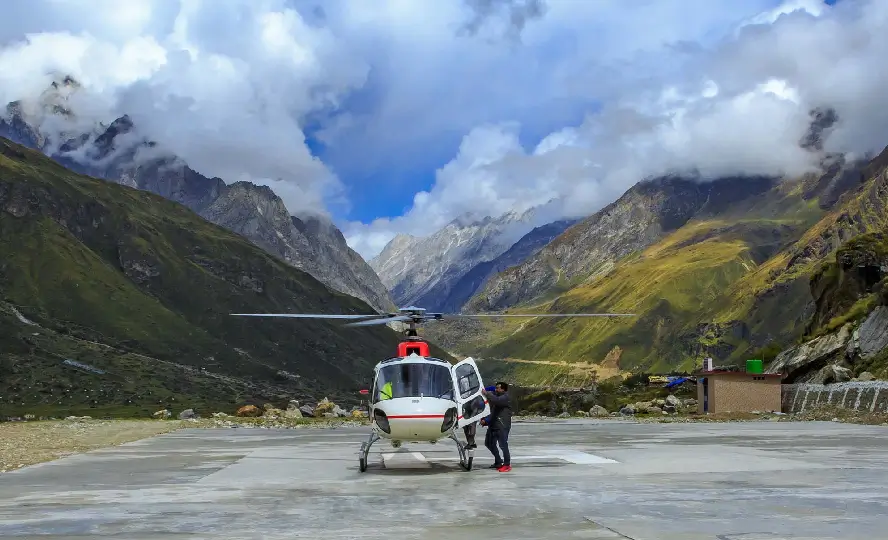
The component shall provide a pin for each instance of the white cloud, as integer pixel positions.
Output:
(613, 91)
(738, 105)
(224, 85)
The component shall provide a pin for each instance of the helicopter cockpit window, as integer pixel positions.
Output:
(415, 380)
(467, 379)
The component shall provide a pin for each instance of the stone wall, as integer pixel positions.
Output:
(871, 396)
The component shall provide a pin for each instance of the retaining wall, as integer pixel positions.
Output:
(869, 396)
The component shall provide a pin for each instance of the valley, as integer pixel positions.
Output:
(729, 268)
(738, 276)
(117, 301)
(260, 259)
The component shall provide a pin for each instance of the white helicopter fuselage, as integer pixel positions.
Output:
(414, 418)
(429, 398)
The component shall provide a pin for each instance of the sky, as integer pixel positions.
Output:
(397, 116)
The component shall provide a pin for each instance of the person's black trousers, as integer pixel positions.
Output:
(498, 437)
(470, 430)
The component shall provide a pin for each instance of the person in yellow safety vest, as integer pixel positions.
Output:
(386, 392)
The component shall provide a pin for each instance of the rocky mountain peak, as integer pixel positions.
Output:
(423, 271)
(118, 153)
(591, 248)
(822, 120)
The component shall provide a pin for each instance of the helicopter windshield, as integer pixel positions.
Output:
(415, 380)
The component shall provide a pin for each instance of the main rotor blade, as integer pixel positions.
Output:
(387, 320)
(540, 315)
(307, 315)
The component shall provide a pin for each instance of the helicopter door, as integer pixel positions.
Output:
(472, 405)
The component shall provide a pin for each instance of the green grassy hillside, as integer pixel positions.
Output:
(668, 286)
(732, 283)
(128, 280)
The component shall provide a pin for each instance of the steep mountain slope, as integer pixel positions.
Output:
(846, 256)
(589, 249)
(731, 280)
(646, 213)
(118, 153)
(423, 271)
(141, 288)
(477, 277)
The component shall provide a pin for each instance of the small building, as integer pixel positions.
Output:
(738, 391)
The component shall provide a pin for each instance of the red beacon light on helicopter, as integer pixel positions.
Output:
(420, 348)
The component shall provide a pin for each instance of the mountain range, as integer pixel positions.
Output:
(117, 152)
(116, 299)
(722, 267)
(441, 271)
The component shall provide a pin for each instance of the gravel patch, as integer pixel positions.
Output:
(29, 443)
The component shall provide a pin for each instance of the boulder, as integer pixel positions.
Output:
(832, 373)
(642, 407)
(273, 413)
(220, 415)
(187, 414)
(656, 410)
(339, 411)
(564, 415)
(669, 409)
(249, 411)
(357, 413)
(163, 413)
(866, 376)
(598, 411)
(325, 406)
(811, 356)
(293, 410)
(307, 411)
(690, 403)
(627, 411)
(674, 401)
(873, 333)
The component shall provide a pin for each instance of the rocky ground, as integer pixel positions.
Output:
(27, 442)
(32, 442)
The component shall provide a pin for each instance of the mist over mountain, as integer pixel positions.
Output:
(119, 153)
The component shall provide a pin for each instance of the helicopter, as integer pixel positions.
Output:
(417, 398)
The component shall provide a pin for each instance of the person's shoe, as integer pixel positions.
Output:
(496, 466)
(505, 468)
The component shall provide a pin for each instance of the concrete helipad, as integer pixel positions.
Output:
(571, 479)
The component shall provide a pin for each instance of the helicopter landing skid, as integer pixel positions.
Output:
(365, 451)
(466, 456)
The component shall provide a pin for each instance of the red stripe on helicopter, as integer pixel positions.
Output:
(409, 416)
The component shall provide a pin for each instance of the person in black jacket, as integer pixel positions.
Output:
(499, 425)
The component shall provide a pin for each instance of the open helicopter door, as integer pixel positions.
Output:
(472, 405)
